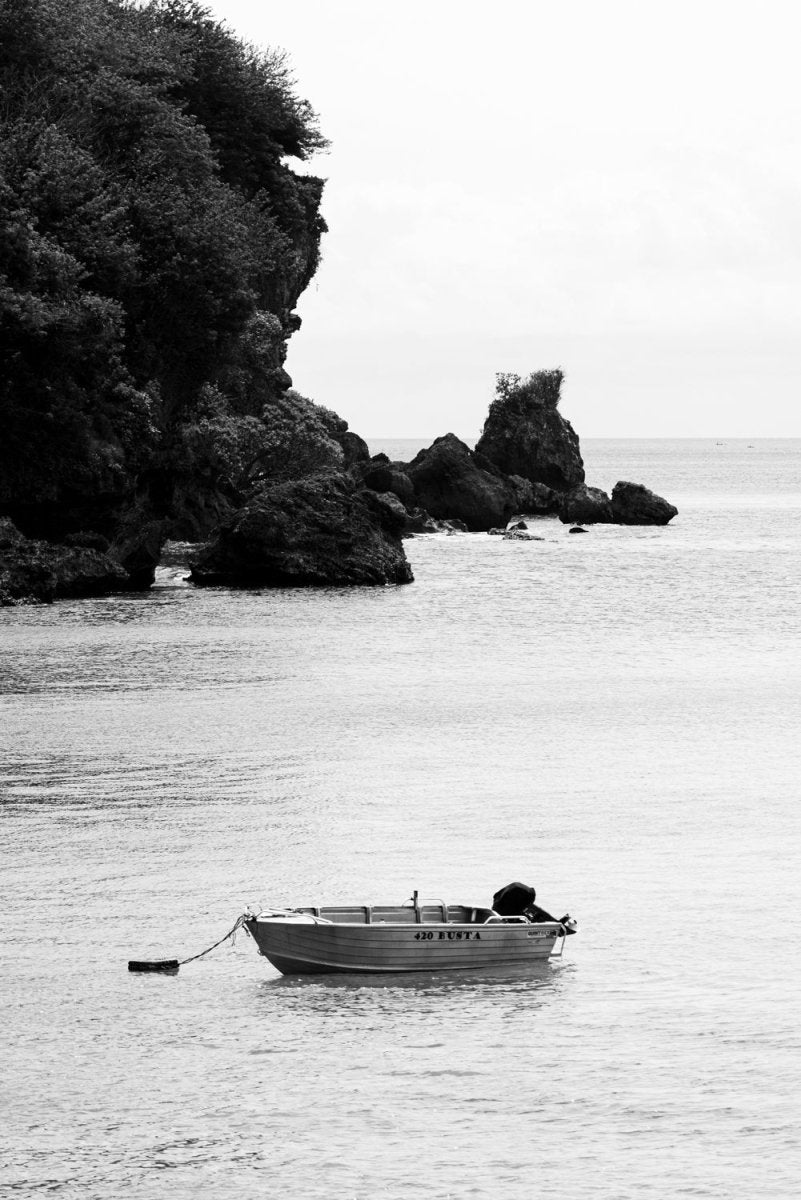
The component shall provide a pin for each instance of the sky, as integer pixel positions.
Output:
(611, 188)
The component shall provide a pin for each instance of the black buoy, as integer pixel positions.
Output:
(577, 529)
(168, 965)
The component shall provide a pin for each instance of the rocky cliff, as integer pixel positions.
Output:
(153, 245)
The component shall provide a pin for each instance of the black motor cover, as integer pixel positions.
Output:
(513, 900)
(517, 900)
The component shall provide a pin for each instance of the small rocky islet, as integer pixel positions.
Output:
(143, 393)
(347, 527)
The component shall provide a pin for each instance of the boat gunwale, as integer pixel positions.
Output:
(430, 916)
(494, 923)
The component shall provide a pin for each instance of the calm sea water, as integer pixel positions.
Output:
(612, 717)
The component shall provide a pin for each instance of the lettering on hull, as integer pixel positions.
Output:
(456, 935)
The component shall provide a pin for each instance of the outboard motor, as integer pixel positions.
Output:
(513, 900)
(518, 900)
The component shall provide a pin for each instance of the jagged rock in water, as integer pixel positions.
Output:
(587, 506)
(635, 504)
(419, 521)
(524, 434)
(321, 531)
(520, 535)
(452, 482)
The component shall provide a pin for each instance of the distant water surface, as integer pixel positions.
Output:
(612, 717)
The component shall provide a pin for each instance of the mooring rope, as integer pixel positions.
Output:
(240, 921)
(171, 965)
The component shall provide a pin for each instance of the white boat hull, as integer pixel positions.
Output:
(306, 947)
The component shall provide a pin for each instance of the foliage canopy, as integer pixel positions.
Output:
(539, 388)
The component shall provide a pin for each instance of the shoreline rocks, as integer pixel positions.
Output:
(33, 571)
(318, 532)
(343, 525)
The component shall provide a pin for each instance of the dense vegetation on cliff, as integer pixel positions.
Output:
(153, 243)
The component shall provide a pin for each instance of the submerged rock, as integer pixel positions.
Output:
(516, 534)
(321, 531)
(525, 434)
(453, 483)
(635, 504)
(586, 506)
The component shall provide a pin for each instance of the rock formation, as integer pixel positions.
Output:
(311, 532)
(634, 504)
(452, 481)
(585, 505)
(525, 435)
(629, 504)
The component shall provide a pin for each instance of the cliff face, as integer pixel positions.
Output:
(153, 245)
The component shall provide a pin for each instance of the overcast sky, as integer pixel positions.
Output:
(608, 187)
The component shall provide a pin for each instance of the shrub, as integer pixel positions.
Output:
(539, 388)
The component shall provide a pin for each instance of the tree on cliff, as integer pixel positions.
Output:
(147, 218)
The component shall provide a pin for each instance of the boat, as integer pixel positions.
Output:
(418, 935)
